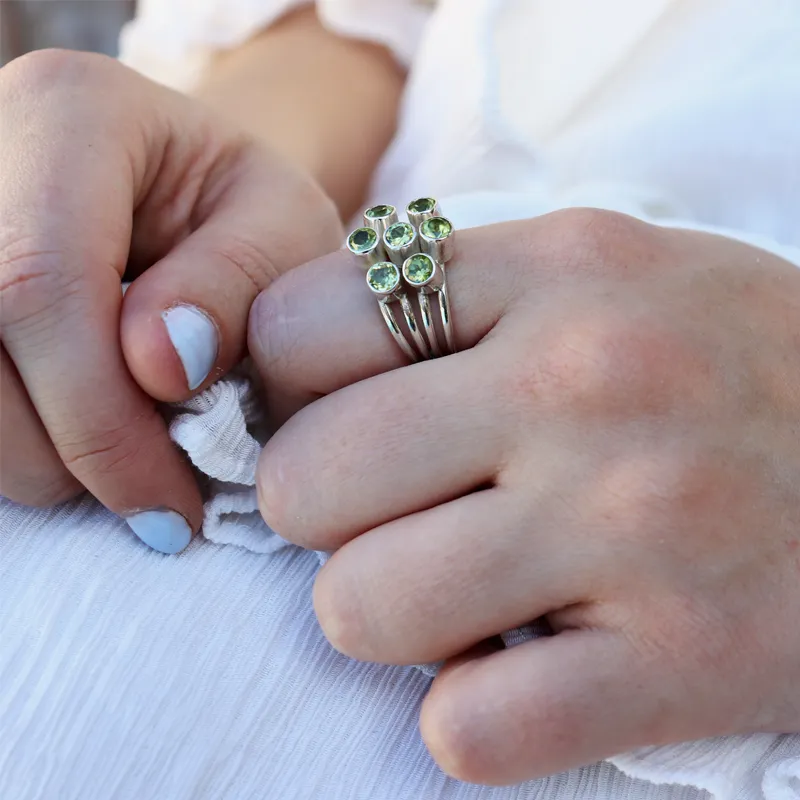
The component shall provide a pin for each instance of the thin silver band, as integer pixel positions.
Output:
(447, 322)
(427, 321)
(394, 329)
(411, 321)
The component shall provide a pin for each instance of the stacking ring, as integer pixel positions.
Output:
(385, 281)
(436, 235)
(402, 256)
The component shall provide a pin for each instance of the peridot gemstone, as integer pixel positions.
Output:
(436, 228)
(383, 277)
(418, 269)
(422, 206)
(379, 212)
(399, 235)
(362, 240)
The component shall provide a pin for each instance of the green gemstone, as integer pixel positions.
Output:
(362, 240)
(399, 235)
(422, 206)
(418, 269)
(383, 277)
(379, 212)
(436, 228)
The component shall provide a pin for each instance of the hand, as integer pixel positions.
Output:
(616, 448)
(106, 175)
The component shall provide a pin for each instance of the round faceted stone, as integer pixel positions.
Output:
(422, 206)
(383, 277)
(418, 269)
(399, 235)
(379, 212)
(436, 228)
(362, 240)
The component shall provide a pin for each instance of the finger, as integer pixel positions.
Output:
(106, 430)
(184, 320)
(67, 212)
(383, 448)
(31, 472)
(554, 704)
(431, 585)
(319, 329)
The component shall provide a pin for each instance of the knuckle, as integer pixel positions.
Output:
(593, 239)
(250, 260)
(107, 451)
(322, 229)
(586, 361)
(271, 498)
(450, 736)
(616, 365)
(631, 492)
(649, 495)
(32, 280)
(281, 499)
(700, 485)
(271, 339)
(340, 613)
(57, 491)
(44, 490)
(327, 230)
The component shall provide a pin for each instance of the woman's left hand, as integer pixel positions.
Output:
(616, 447)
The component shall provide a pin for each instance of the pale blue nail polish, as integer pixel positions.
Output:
(194, 337)
(163, 530)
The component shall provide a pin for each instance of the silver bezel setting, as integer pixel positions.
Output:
(432, 283)
(398, 255)
(390, 294)
(416, 218)
(373, 255)
(416, 343)
(440, 249)
(380, 224)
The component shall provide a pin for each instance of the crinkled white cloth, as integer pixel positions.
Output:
(127, 674)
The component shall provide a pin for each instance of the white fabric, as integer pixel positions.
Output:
(124, 673)
(128, 675)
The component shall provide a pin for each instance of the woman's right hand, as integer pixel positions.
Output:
(106, 176)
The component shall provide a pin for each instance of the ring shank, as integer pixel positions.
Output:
(397, 334)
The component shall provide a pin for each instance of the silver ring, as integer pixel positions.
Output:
(423, 273)
(426, 271)
(402, 256)
(385, 281)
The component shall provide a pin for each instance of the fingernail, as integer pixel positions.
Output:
(194, 337)
(163, 530)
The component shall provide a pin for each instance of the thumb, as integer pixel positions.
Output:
(184, 320)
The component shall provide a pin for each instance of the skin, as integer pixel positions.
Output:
(200, 202)
(614, 447)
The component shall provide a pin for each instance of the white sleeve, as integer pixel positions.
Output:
(172, 41)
